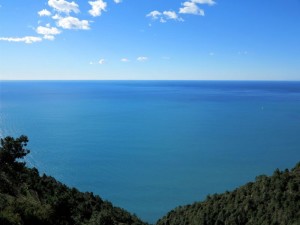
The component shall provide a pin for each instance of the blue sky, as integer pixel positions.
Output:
(150, 39)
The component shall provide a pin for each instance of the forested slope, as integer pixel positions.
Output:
(26, 198)
(273, 200)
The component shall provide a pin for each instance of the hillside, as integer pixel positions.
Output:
(26, 198)
(273, 200)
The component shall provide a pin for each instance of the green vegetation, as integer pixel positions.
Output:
(29, 199)
(26, 198)
(273, 200)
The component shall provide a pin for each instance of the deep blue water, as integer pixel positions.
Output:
(149, 146)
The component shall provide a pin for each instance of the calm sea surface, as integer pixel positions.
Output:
(149, 146)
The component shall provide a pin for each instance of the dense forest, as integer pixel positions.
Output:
(273, 200)
(26, 198)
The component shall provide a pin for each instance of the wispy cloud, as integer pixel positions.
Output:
(142, 58)
(97, 7)
(44, 12)
(154, 14)
(101, 61)
(125, 60)
(171, 15)
(208, 2)
(26, 39)
(49, 37)
(64, 6)
(62, 12)
(164, 16)
(188, 7)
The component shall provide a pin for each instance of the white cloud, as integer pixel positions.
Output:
(56, 17)
(117, 1)
(101, 61)
(164, 16)
(154, 14)
(48, 32)
(142, 58)
(162, 20)
(125, 60)
(64, 6)
(49, 37)
(208, 2)
(26, 39)
(97, 7)
(72, 23)
(44, 12)
(188, 7)
(170, 15)
(191, 8)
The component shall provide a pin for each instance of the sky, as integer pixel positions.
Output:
(149, 40)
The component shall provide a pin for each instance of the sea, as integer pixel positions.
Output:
(150, 146)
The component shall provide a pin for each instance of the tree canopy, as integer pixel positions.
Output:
(12, 149)
(273, 200)
(26, 198)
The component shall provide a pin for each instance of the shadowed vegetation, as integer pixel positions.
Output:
(26, 198)
(273, 200)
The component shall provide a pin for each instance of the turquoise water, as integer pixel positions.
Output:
(149, 146)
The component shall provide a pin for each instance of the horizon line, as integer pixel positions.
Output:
(227, 80)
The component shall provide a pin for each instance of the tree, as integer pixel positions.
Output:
(12, 149)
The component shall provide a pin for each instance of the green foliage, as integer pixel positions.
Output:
(13, 149)
(26, 198)
(271, 200)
